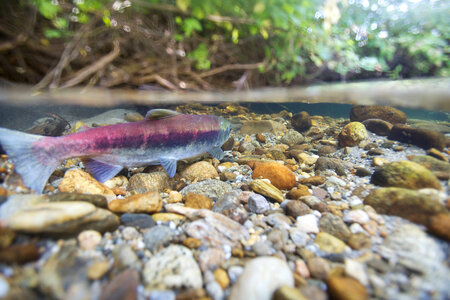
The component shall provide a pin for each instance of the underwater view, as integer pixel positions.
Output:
(284, 150)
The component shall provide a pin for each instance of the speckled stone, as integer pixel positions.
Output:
(199, 171)
(197, 201)
(318, 267)
(329, 243)
(176, 267)
(352, 134)
(334, 225)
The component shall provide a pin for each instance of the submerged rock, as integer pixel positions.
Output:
(278, 174)
(140, 203)
(269, 190)
(409, 204)
(378, 126)
(262, 276)
(390, 114)
(352, 134)
(172, 268)
(405, 174)
(148, 182)
(199, 171)
(423, 138)
(347, 288)
(301, 121)
(210, 188)
(253, 127)
(64, 218)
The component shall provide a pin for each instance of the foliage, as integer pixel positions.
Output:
(300, 38)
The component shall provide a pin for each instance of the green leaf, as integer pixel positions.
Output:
(183, 4)
(48, 9)
(52, 33)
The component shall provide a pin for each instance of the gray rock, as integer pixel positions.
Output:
(158, 236)
(296, 208)
(326, 163)
(137, 220)
(172, 268)
(63, 218)
(125, 257)
(292, 137)
(63, 273)
(262, 276)
(212, 228)
(411, 247)
(258, 204)
(334, 225)
(263, 248)
(279, 220)
(229, 205)
(298, 236)
(212, 188)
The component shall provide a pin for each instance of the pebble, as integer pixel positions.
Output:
(261, 277)
(313, 180)
(137, 220)
(288, 293)
(346, 288)
(279, 175)
(148, 182)
(292, 137)
(157, 237)
(97, 270)
(130, 233)
(221, 277)
(405, 174)
(300, 191)
(199, 171)
(125, 257)
(175, 197)
(211, 188)
(167, 217)
(197, 201)
(301, 268)
(78, 181)
(328, 163)
(89, 239)
(356, 216)
(301, 121)
(258, 204)
(356, 269)
(19, 254)
(296, 208)
(307, 224)
(211, 258)
(359, 240)
(192, 243)
(352, 134)
(122, 286)
(7, 236)
(149, 202)
(63, 218)
(318, 267)
(409, 204)
(439, 225)
(176, 267)
(329, 243)
(335, 226)
(230, 206)
(267, 189)
(298, 236)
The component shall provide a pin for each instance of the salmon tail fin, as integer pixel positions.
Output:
(19, 147)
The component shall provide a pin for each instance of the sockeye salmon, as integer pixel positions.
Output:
(164, 137)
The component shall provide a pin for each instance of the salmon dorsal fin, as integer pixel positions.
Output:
(156, 114)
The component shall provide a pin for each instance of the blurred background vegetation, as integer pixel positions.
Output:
(216, 44)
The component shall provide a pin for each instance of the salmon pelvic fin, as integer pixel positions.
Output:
(18, 146)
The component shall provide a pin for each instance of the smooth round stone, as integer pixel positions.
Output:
(262, 276)
(199, 171)
(234, 272)
(221, 277)
(97, 270)
(89, 239)
(319, 267)
(346, 288)
(167, 217)
(125, 257)
(62, 217)
(355, 269)
(147, 182)
(334, 225)
(211, 188)
(292, 137)
(130, 233)
(149, 202)
(299, 237)
(288, 293)
(352, 134)
(329, 243)
(137, 220)
(356, 216)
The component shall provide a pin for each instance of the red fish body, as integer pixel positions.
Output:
(162, 138)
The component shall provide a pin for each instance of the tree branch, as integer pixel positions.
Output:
(229, 68)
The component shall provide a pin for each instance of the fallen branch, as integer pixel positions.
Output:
(13, 44)
(229, 68)
(155, 77)
(82, 74)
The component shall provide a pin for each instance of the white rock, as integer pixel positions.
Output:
(89, 239)
(308, 223)
(172, 267)
(355, 269)
(262, 276)
(356, 216)
(4, 287)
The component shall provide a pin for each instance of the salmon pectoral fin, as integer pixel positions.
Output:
(100, 170)
(170, 165)
(217, 153)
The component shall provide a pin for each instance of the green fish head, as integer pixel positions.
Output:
(224, 131)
